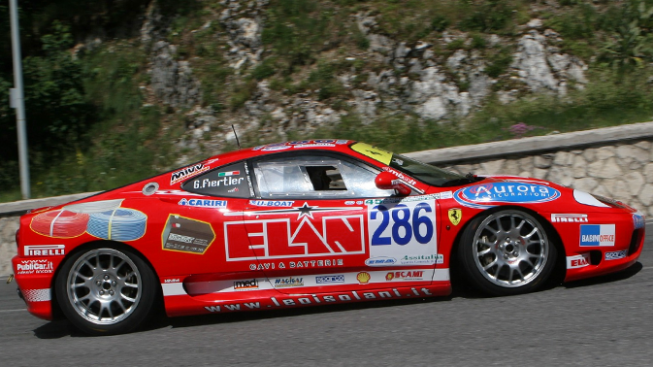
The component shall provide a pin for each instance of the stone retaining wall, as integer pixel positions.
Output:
(623, 171)
(615, 162)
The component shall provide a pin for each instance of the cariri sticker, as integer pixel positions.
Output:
(482, 196)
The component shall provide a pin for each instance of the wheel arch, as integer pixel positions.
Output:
(57, 313)
(559, 271)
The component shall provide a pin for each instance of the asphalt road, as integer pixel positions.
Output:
(602, 322)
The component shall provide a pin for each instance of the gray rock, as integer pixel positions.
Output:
(635, 182)
(561, 175)
(380, 44)
(646, 195)
(605, 153)
(604, 169)
(526, 163)
(530, 61)
(589, 154)
(494, 167)
(511, 167)
(648, 173)
(644, 144)
(402, 50)
(434, 109)
(563, 158)
(543, 161)
(586, 184)
(579, 166)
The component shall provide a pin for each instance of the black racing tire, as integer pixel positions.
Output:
(106, 289)
(507, 252)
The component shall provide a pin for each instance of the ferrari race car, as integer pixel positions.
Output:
(308, 223)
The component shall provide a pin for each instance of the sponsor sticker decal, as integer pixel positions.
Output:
(37, 266)
(455, 215)
(246, 284)
(407, 227)
(188, 172)
(187, 235)
(230, 173)
(363, 277)
(616, 255)
(202, 203)
(405, 275)
(45, 250)
(330, 279)
(267, 203)
(289, 282)
(381, 261)
(568, 218)
(578, 261)
(597, 235)
(421, 259)
(483, 195)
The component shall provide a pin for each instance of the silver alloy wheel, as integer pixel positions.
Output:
(510, 248)
(104, 286)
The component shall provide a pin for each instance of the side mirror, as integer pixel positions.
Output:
(387, 181)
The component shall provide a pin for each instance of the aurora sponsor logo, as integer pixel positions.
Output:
(568, 218)
(201, 203)
(289, 282)
(267, 203)
(505, 192)
(616, 255)
(188, 172)
(330, 279)
(597, 235)
(45, 250)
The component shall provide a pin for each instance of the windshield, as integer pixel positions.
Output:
(427, 173)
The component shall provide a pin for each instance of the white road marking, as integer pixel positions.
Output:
(20, 310)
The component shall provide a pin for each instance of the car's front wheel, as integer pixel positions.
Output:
(507, 252)
(106, 290)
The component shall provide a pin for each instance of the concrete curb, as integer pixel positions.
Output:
(19, 207)
(536, 144)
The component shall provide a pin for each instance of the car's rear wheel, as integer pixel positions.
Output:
(507, 252)
(106, 290)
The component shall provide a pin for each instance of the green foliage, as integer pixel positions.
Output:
(265, 69)
(498, 62)
(489, 16)
(58, 113)
(631, 45)
(297, 29)
(324, 79)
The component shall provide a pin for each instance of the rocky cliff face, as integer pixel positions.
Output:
(407, 78)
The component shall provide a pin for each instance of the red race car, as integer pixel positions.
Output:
(308, 223)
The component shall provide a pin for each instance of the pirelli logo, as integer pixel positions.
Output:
(568, 218)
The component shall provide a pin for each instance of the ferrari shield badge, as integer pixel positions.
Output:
(455, 215)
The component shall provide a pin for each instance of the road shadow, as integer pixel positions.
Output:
(608, 278)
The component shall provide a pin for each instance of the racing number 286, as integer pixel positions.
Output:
(405, 224)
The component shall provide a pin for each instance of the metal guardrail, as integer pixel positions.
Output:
(441, 156)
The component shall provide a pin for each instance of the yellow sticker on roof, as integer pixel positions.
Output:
(380, 155)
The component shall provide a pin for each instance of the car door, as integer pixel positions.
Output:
(320, 223)
(221, 197)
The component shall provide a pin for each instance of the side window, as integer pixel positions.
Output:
(315, 176)
(229, 181)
